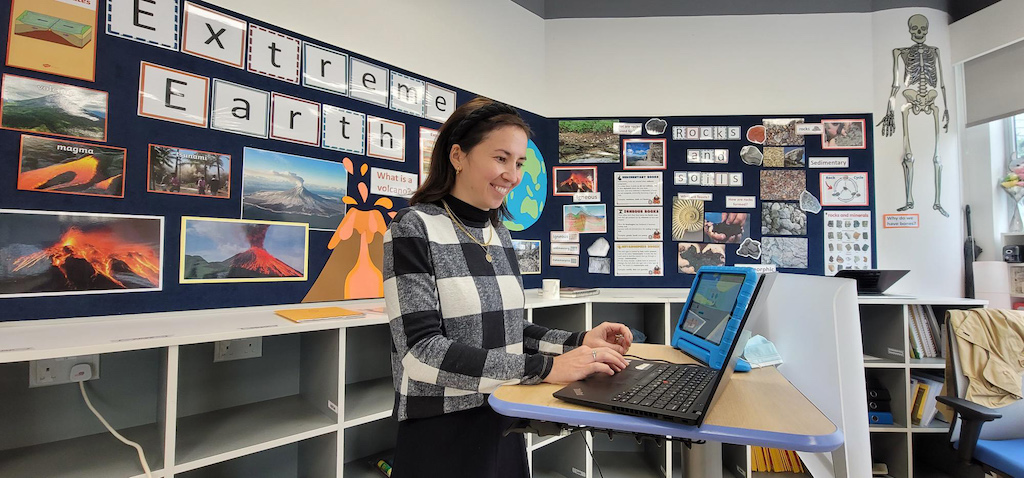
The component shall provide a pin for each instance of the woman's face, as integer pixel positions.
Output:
(491, 169)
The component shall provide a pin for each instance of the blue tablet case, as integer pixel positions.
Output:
(716, 355)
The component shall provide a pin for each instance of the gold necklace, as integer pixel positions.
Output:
(462, 227)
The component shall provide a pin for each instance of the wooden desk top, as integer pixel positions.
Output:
(761, 400)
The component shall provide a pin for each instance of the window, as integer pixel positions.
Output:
(1018, 134)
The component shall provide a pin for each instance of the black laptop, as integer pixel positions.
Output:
(872, 281)
(678, 392)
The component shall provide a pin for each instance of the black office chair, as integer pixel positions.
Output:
(1000, 446)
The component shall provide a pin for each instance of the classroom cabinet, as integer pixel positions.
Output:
(317, 402)
(908, 450)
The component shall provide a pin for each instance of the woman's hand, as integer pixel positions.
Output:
(584, 360)
(609, 334)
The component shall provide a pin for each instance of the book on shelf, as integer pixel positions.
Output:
(318, 313)
(916, 348)
(925, 327)
(936, 329)
(926, 412)
(574, 292)
(774, 460)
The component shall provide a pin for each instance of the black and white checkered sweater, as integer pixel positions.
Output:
(458, 329)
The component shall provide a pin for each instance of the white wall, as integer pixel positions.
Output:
(932, 252)
(709, 65)
(489, 47)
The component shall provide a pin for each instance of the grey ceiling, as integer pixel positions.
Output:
(549, 9)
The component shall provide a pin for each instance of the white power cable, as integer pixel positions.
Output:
(138, 448)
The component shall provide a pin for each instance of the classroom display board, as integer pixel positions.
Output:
(174, 155)
(645, 202)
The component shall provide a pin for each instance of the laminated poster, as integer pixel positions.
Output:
(287, 187)
(71, 167)
(639, 259)
(847, 241)
(233, 250)
(174, 170)
(53, 36)
(639, 223)
(528, 254)
(62, 253)
(638, 189)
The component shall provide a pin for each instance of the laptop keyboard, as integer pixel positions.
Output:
(669, 387)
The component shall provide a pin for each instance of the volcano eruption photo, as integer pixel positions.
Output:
(55, 253)
(569, 181)
(232, 250)
(285, 187)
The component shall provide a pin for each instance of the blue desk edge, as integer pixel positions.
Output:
(627, 423)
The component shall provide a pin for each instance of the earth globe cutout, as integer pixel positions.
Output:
(526, 201)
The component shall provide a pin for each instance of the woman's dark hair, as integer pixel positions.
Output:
(467, 127)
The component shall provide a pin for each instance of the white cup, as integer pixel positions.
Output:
(549, 289)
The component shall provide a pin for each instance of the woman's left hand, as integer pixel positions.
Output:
(609, 334)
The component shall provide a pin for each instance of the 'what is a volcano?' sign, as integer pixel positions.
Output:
(385, 182)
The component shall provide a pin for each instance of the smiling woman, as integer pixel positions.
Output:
(455, 302)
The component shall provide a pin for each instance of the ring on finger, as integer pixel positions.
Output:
(594, 353)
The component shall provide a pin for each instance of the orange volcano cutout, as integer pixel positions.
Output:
(106, 253)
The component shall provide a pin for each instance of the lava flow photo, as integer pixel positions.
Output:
(50, 253)
(61, 166)
(232, 250)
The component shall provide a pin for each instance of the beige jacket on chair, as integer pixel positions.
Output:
(991, 349)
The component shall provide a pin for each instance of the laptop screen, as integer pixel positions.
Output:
(714, 300)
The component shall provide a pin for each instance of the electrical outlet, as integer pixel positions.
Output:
(43, 373)
(238, 349)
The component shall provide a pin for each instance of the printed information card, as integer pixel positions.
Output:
(639, 259)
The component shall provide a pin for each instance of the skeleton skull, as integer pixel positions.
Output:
(918, 28)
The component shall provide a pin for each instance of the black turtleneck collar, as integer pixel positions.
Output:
(470, 215)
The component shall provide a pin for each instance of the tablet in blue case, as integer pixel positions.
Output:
(711, 317)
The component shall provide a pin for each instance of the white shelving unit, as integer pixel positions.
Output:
(908, 450)
(318, 402)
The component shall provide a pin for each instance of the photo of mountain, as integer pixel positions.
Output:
(58, 253)
(285, 187)
(62, 166)
(53, 108)
(233, 250)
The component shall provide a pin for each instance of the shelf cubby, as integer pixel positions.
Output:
(883, 332)
(312, 457)
(895, 381)
(645, 317)
(369, 388)
(893, 450)
(49, 431)
(571, 317)
(367, 443)
(229, 409)
(565, 458)
(623, 456)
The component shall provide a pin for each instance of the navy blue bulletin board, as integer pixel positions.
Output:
(117, 73)
(860, 160)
